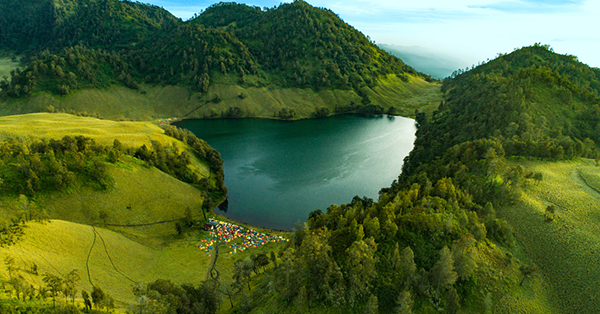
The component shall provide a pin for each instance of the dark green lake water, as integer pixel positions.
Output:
(277, 172)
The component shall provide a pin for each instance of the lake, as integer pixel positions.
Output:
(277, 172)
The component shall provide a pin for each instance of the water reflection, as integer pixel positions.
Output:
(277, 172)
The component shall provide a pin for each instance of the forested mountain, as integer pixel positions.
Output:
(305, 46)
(32, 26)
(535, 102)
(99, 43)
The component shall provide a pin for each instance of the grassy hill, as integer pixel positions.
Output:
(112, 261)
(135, 198)
(160, 102)
(563, 240)
(117, 237)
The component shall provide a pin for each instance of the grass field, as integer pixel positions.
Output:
(115, 262)
(120, 251)
(140, 195)
(156, 102)
(566, 250)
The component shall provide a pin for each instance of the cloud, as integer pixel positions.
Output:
(532, 6)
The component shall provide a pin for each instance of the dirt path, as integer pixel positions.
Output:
(576, 176)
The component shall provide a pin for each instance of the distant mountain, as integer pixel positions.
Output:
(437, 65)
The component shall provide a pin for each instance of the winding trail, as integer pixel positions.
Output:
(579, 179)
(87, 261)
(110, 259)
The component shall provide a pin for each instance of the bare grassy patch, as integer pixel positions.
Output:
(567, 250)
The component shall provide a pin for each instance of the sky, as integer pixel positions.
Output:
(464, 31)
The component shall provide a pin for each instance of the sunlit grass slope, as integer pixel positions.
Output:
(154, 102)
(140, 194)
(566, 250)
(57, 125)
(112, 261)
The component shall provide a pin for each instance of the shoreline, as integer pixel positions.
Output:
(250, 226)
(177, 120)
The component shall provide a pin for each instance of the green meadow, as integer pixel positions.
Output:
(566, 249)
(114, 262)
(118, 237)
(158, 102)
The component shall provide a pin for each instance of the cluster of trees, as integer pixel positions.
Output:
(535, 102)
(232, 113)
(72, 69)
(194, 56)
(163, 296)
(25, 297)
(30, 167)
(12, 223)
(32, 26)
(416, 249)
(203, 151)
(306, 46)
(285, 114)
(364, 108)
(55, 165)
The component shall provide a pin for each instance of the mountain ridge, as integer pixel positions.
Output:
(292, 46)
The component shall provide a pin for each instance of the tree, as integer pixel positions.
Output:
(360, 269)
(140, 290)
(11, 266)
(71, 281)
(258, 261)
(98, 296)
(404, 303)
(372, 305)
(242, 270)
(464, 257)
(452, 301)
(443, 273)
(86, 300)
(230, 291)
(528, 271)
(407, 265)
(54, 283)
(206, 205)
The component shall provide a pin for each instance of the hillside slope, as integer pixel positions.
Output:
(496, 122)
(296, 49)
(563, 241)
(32, 26)
(536, 102)
(129, 193)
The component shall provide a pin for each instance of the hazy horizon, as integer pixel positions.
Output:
(460, 33)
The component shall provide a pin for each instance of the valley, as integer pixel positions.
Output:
(494, 210)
